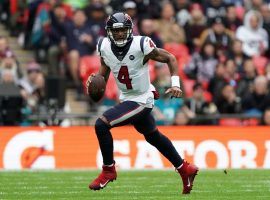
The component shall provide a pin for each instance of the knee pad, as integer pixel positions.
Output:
(101, 126)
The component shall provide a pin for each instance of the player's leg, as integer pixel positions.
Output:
(147, 126)
(187, 171)
(121, 114)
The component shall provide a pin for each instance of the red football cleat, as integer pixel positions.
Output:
(107, 175)
(187, 172)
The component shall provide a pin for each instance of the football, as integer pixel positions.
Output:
(97, 87)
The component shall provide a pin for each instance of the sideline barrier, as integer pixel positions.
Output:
(77, 147)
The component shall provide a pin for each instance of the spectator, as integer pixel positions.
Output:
(253, 36)
(41, 23)
(9, 64)
(231, 76)
(39, 37)
(5, 51)
(195, 26)
(169, 31)
(32, 86)
(41, 28)
(217, 82)
(10, 108)
(257, 101)
(197, 105)
(7, 76)
(17, 17)
(265, 11)
(67, 8)
(131, 9)
(246, 82)
(57, 40)
(266, 117)
(8, 60)
(182, 12)
(181, 119)
(96, 18)
(147, 28)
(219, 36)
(228, 102)
(238, 55)
(215, 9)
(202, 65)
(81, 41)
(161, 77)
(165, 107)
(253, 4)
(48, 5)
(32, 7)
(150, 7)
(233, 22)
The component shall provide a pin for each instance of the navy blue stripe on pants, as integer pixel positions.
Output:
(129, 112)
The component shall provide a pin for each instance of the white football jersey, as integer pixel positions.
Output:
(130, 73)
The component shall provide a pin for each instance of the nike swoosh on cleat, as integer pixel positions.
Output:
(102, 185)
(188, 185)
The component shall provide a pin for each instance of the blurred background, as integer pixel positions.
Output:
(48, 50)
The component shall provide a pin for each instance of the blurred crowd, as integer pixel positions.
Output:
(222, 47)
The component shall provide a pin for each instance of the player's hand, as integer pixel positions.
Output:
(175, 92)
(89, 81)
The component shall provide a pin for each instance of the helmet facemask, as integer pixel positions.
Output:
(121, 42)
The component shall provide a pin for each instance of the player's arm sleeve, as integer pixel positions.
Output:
(148, 45)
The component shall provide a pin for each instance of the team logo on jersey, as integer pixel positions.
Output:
(131, 57)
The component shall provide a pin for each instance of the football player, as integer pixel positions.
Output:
(126, 56)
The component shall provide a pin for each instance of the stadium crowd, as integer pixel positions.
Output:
(222, 47)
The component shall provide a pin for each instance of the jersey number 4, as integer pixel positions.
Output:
(123, 77)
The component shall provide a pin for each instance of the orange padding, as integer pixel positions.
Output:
(77, 147)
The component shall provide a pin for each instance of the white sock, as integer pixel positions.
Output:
(180, 166)
(109, 165)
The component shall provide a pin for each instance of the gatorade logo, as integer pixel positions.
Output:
(30, 149)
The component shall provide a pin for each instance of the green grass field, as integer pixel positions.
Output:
(236, 184)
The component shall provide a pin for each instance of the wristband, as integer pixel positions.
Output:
(175, 80)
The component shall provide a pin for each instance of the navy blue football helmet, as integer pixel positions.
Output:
(116, 21)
